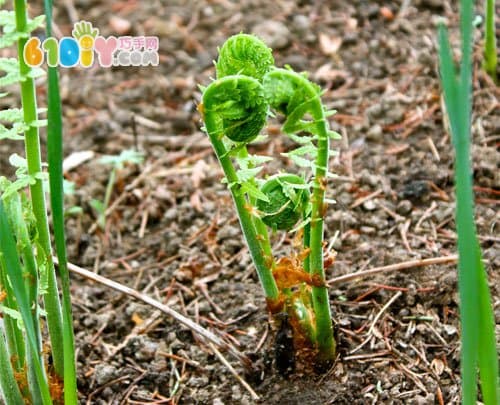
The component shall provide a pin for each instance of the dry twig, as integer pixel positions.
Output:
(394, 267)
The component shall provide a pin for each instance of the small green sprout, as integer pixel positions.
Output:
(235, 108)
(490, 60)
(117, 163)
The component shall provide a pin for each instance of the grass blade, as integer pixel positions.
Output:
(8, 384)
(15, 340)
(55, 158)
(449, 79)
(13, 205)
(488, 360)
(476, 314)
(15, 274)
(490, 42)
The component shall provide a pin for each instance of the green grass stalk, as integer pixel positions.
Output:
(325, 342)
(260, 227)
(8, 382)
(14, 335)
(55, 159)
(14, 209)
(477, 322)
(490, 42)
(33, 157)
(15, 275)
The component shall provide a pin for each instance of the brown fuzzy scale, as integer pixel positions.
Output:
(287, 276)
(290, 273)
(21, 378)
(275, 305)
(56, 388)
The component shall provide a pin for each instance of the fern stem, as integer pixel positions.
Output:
(324, 330)
(260, 227)
(256, 248)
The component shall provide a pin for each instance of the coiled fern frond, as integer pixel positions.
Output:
(244, 54)
(287, 196)
(239, 104)
(294, 95)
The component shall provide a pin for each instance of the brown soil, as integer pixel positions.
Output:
(176, 225)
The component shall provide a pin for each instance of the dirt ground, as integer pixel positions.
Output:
(173, 233)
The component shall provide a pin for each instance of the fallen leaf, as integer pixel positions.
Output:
(387, 13)
(76, 159)
(195, 201)
(329, 45)
(137, 319)
(327, 73)
(437, 366)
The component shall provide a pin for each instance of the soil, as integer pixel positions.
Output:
(174, 234)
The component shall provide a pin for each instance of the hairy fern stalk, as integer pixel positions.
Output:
(235, 108)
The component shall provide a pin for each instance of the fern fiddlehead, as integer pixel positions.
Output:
(239, 105)
(287, 196)
(235, 109)
(246, 55)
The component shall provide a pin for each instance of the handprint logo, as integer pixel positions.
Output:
(85, 34)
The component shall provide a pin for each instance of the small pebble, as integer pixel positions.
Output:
(369, 205)
(170, 214)
(120, 25)
(375, 110)
(104, 373)
(404, 207)
(368, 230)
(450, 329)
(395, 114)
(368, 178)
(147, 350)
(375, 133)
(198, 382)
(275, 34)
(301, 23)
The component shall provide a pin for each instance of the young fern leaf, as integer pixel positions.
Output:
(286, 201)
(244, 54)
(239, 104)
(293, 95)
